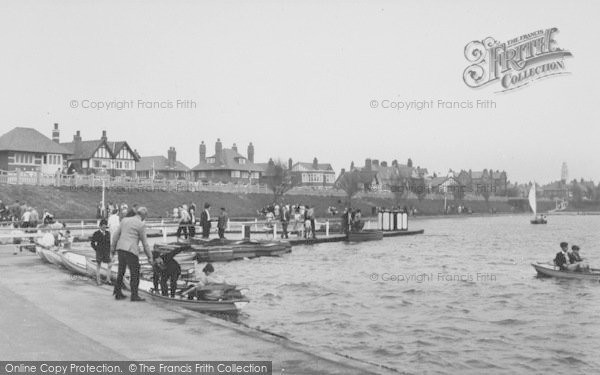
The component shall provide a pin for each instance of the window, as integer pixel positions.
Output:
(84, 164)
(102, 153)
(241, 161)
(235, 174)
(22, 158)
(210, 160)
(97, 164)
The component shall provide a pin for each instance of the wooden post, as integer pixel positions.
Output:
(327, 228)
(164, 230)
(255, 224)
(243, 231)
(274, 230)
(82, 223)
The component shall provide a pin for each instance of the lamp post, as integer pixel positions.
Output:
(103, 175)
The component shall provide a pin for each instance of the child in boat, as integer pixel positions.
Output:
(205, 281)
(576, 259)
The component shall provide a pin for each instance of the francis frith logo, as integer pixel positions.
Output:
(515, 63)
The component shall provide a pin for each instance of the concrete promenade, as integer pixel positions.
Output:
(49, 314)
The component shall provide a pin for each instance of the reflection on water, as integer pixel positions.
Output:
(463, 297)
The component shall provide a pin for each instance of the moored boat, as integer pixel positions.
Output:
(225, 250)
(51, 255)
(146, 289)
(549, 270)
(75, 263)
(365, 235)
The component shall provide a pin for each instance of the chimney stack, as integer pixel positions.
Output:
(218, 151)
(56, 134)
(234, 147)
(251, 153)
(368, 164)
(290, 164)
(104, 135)
(384, 163)
(77, 136)
(315, 163)
(375, 162)
(172, 156)
(202, 152)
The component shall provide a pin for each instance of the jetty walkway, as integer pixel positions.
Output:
(49, 314)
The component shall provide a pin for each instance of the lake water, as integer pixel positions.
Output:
(462, 298)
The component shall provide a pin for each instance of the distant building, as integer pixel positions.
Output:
(478, 182)
(160, 167)
(26, 149)
(558, 189)
(226, 165)
(97, 156)
(442, 185)
(313, 174)
(394, 177)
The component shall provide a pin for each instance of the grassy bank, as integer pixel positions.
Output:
(66, 203)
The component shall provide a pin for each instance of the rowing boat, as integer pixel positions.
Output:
(52, 255)
(146, 288)
(75, 263)
(365, 235)
(548, 270)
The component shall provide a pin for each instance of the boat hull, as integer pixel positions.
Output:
(540, 221)
(222, 251)
(365, 235)
(51, 255)
(75, 263)
(225, 306)
(546, 270)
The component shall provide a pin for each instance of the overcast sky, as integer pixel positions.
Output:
(297, 79)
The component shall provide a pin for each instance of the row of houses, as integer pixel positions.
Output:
(27, 149)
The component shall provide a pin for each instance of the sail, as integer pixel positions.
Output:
(532, 201)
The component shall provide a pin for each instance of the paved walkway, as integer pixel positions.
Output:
(48, 314)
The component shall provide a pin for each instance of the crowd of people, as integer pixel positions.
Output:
(187, 219)
(303, 217)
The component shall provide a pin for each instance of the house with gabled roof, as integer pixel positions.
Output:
(495, 182)
(313, 174)
(96, 156)
(394, 177)
(26, 149)
(226, 165)
(160, 167)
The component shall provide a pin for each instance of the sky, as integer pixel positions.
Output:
(298, 79)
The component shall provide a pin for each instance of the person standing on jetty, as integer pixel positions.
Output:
(222, 223)
(205, 221)
(101, 245)
(285, 220)
(126, 241)
(184, 221)
(192, 228)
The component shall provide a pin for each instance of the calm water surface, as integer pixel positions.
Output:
(461, 298)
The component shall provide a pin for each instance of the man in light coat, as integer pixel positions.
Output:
(126, 241)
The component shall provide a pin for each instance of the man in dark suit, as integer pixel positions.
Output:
(561, 259)
(205, 221)
(166, 271)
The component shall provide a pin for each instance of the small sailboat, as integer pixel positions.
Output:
(533, 204)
